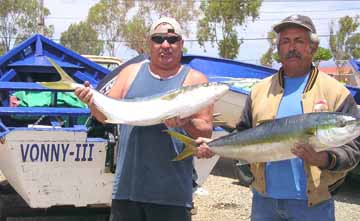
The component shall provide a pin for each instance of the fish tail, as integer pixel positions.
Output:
(190, 144)
(65, 83)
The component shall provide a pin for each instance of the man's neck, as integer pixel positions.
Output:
(296, 73)
(164, 73)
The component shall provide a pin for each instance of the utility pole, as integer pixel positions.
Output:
(41, 22)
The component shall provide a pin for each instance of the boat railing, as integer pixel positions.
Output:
(13, 115)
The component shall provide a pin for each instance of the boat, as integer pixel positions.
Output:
(46, 153)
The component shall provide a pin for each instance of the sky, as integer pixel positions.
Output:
(65, 12)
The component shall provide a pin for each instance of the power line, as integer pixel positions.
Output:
(310, 0)
(186, 40)
(308, 11)
(195, 22)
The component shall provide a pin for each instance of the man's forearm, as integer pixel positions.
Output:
(97, 114)
(346, 157)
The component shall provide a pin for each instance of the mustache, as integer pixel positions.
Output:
(167, 50)
(293, 54)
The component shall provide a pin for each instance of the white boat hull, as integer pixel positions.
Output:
(230, 106)
(64, 174)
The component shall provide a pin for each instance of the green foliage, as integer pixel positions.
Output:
(223, 18)
(135, 34)
(342, 42)
(267, 58)
(82, 38)
(276, 57)
(322, 54)
(2, 49)
(19, 19)
(353, 45)
(108, 18)
(182, 10)
(129, 21)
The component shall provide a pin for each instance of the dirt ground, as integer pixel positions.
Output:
(227, 200)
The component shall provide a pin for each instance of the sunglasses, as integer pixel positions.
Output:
(159, 39)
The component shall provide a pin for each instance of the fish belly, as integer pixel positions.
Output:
(262, 152)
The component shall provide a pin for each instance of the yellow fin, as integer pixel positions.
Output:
(190, 145)
(187, 152)
(171, 95)
(63, 75)
(65, 82)
(264, 121)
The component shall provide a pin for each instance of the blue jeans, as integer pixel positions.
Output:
(126, 210)
(265, 209)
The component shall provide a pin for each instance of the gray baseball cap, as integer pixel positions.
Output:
(176, 27)
(296, 20)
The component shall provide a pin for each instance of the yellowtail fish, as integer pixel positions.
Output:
(151, 110)
(273, 140)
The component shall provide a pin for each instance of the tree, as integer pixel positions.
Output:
(222, 18)
(267, 58)
(138, 26)
(2, 49)
(108, 18)
(19, 19)
(129, 21)
(342, 41)
(353, 45)
(82, 38)
(322, 54)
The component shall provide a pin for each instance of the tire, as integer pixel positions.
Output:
(243, 174)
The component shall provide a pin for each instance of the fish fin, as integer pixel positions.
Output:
(171, 95)
(187, 152)
(63, 75)
(264, 121)
(310, 131)
(65, 83)
(184, 139)
(215, 115)
(189, 144)
(168, 117)
(219, 123)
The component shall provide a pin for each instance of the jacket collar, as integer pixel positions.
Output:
(314, 72)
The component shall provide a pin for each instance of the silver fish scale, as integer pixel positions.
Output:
(276, 137)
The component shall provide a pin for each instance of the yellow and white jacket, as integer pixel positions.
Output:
(321, 93)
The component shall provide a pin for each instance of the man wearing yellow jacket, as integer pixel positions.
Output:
(299, 188)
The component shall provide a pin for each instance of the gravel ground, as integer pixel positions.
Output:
(228, 201)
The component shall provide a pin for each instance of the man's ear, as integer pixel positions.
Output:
(314, 48)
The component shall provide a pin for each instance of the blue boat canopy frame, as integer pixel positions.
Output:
(26, 64)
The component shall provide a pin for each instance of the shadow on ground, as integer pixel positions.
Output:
(349, 192)
(224, 168)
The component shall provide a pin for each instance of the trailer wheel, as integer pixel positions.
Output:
(243, 174)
